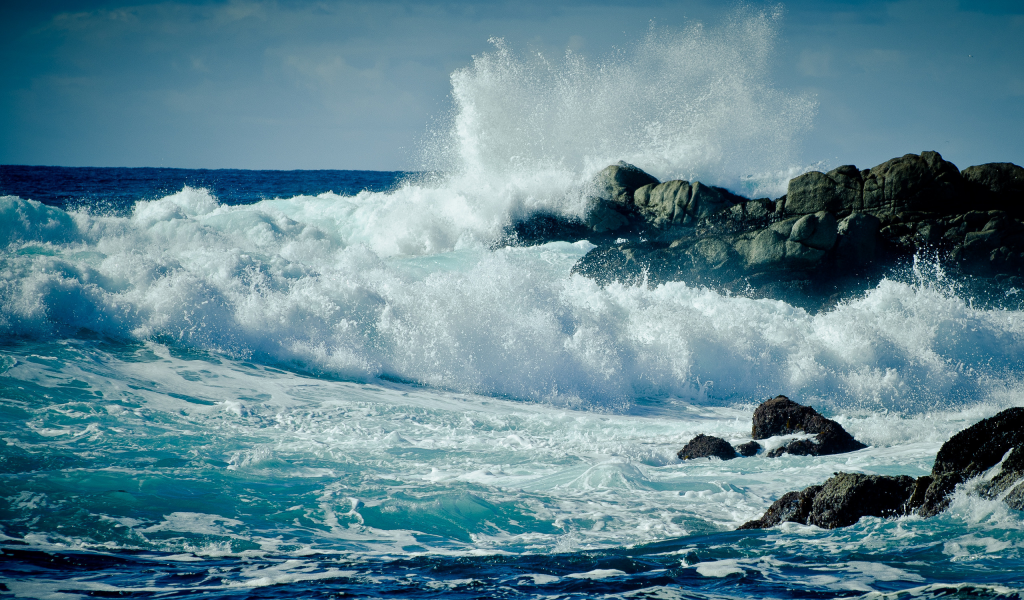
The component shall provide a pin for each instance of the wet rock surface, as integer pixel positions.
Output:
(832, 235)
(841, 501)
(846, 497)
(748, 449)
(782, 416)
(707, 446)
(973, 451)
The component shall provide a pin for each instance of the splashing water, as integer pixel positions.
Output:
(526, 132)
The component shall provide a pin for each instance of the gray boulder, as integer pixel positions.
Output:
(912, 182)
(678, 202)
(611, 197)
(839, 191)
(797, 242)
(617, 183)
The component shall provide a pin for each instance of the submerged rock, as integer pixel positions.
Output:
(706, 446)
(782, 416)
(748, 449)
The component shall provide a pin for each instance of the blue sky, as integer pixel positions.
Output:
(353, 85)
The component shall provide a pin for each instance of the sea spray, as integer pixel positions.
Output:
(695, 103)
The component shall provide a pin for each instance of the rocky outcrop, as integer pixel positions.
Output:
(707, 446)
(911, 182)
(680, 203)
(841, 501)
(832, 235)
(973, 451)
(782, 416)
(611, 204)
(846, 497)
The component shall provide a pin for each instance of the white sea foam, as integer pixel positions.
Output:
(253, 281)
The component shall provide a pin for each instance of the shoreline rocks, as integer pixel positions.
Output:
(831, 235)
(846, 497)
(779, 416)
(782, 416)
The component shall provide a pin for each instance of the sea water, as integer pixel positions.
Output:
(327, 384)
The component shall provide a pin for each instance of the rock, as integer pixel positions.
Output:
(603, 216)
(664, 205)
(858, 241)
(839, 191)
(1010, 472)
(706, 446)
(816, 231)
(782, 416)
(678, 203)
(617, 183)
(999, 186)
(612, 196)
(912, 182)
(1015, 499)
(841, 501)
(798, 242)
(543, 228)
(748, 449)
(982, 445)
(846, 497)
(792, 507)
(970, 453)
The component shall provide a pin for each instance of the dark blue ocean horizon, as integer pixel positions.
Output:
(116, 189)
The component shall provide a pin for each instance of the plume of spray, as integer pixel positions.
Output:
(695, 103)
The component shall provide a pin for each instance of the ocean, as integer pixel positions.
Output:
(305, 384)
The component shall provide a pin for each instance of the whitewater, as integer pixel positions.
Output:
(366, 391)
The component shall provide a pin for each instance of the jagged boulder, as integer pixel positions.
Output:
(970, 453)
(846, 497)
(679, 203)
(611, 201)
(912, 182)
(999, 186)
(782, 416)
(841, 501)
(707, 446)
(839, 191)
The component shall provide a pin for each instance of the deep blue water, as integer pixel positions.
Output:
(117, 189)
(263, 384)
